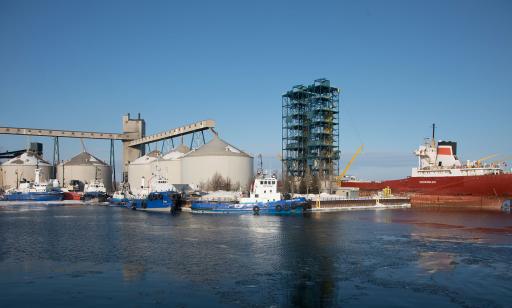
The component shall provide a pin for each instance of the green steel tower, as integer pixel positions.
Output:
(310, 133)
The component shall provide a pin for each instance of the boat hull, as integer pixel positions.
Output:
(273, 207)
(163, 202)
(499, 185)
(95, 197)
(34, 196)
(73, 195)
(123, 202)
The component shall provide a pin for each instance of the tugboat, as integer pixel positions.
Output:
(95, 192)
(121, 197)
(263, 198)
(35, 191)
(160, 196)
(74, 191)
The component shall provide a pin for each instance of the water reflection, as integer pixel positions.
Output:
(310, 264)
(328, 259)
(433, 262)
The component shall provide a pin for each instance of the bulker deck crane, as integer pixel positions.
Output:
(479, 162)
(342, 175)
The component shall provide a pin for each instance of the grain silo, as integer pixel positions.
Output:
(217, 156)
(141, 167)
(22, 167)
(85, 168)
(170, 165)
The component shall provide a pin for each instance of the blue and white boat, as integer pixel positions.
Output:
(263, 199)
(160, 196)
(121, 197)
(35, 191)
(95, 191)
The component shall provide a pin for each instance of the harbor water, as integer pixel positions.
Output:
(61, 256)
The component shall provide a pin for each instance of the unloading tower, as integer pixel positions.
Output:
(310, 133)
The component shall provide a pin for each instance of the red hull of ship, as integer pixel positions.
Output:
(72, 195)
(485, 185)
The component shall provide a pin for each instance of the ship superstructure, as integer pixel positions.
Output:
(440, 159)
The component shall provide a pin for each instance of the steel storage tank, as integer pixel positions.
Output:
(170, 165)
(217, 156)
(22, 167)
(85, 168)
(141, 167)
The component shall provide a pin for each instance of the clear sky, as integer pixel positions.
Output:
(401, 65)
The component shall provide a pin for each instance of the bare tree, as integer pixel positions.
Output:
(227, 184)
(216, 182)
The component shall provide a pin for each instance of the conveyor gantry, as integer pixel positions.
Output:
(133, 136)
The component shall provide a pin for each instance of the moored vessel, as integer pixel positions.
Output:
(440, 172)
(159, 196)
(121, 197)
(263, 198)
(95, 191)
(73, 191)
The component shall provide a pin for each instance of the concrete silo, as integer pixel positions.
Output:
(170, 165)
(85, 168)
(217, 156)
(141, 167)
(22, 167)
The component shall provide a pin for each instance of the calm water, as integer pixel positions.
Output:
(98, 256)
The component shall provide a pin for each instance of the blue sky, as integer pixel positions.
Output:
(401, 65)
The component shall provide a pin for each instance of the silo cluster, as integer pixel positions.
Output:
(140, 168)
(195, 167)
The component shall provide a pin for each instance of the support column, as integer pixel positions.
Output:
(137, 127)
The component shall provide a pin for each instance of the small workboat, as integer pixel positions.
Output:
(159, 196)
(74, 190)
(95, 191)
(263, 199)
(122, 197)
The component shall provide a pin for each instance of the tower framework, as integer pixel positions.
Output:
(310, 132)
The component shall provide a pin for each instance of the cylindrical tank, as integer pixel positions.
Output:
(217, 156)
(22, 167)
(141, 167)
(85, 168)
(170, 165)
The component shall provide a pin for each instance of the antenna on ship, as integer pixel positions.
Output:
(433, 134)
(260, 165)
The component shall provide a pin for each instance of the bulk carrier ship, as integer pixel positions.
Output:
(440, 172)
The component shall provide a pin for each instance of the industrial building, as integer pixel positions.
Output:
(85, 168)
(195, 167)
(217, 157)
(22, 167)
(310, 133)
(170, 164)
(141, 167)
(181, 165)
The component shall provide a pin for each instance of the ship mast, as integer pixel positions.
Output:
(433, 134)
